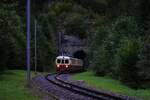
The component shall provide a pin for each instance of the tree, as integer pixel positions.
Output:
(12, 40)
(143, 63)
(127, 57)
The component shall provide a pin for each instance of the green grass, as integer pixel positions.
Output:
(13, 86)
(112, 85)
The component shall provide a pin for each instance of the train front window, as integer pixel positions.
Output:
(58, 61)
(66, 61)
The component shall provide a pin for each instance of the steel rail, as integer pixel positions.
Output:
(70, 88)
(82, 90)
(94, 93)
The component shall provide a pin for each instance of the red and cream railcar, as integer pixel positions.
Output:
(65, 63)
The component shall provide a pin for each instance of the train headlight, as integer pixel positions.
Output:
(58, 66)
(67, 66)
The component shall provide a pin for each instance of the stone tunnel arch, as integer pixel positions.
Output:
(80, 54)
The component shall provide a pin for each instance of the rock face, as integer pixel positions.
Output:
(73, 46)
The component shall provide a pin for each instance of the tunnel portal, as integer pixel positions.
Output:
(80, 54)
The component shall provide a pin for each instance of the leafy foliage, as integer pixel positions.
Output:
(12, 40)
(143, 63)
(100, 62)
(76, 25)
(126, 63)
(116, 48)
(46, 50)
(117, 32)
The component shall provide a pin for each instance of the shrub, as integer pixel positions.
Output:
(143, 64)
(126, 59)
(102, 61)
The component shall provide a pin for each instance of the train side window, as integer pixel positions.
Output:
(66, 61)
(58, 61)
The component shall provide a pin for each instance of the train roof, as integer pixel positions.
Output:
(63, 57)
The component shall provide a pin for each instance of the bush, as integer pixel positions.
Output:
(102, 61)
(143, 64)
(126, 59)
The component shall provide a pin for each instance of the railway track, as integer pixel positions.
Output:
(96, 95)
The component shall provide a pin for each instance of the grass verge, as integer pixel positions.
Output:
(112, 85)
(13, 86)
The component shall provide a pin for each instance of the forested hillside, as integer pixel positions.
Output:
(13, 35)
(117, 30)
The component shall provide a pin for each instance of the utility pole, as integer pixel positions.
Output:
(28, 41)
(60, 48)
(35, 50)
(62, 39)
